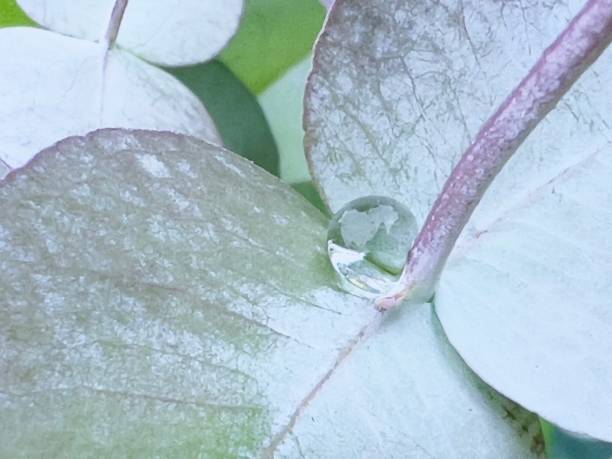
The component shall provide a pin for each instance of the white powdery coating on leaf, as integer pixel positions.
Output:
(153, 305)
(153, 166)
(535, 287)
(52, 86)
(165, 32)
(394, 99)
(406, 393)
(149, 309)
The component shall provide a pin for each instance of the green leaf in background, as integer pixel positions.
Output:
(274, 35)
(282, 103)
(308, 190)
(235, 111)
(561, 444)
(12, 15)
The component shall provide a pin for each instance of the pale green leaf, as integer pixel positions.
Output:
(398, 91)
(52, 86)
(164, 297)
(534, 286)
(402, 394)
(165, 32)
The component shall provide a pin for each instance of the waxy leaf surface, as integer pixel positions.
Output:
(535, 287)
(165, 32)
(162, 296)
(53, 86)
(399, 90)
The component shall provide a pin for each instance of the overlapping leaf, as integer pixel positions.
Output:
(165, 32)
(52, 86)
(537, 282)
(398, 91)
(235, 111)
(164, 297)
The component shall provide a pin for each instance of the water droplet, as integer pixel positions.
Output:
(367, 242)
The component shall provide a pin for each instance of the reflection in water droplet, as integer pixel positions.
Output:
(367, 242)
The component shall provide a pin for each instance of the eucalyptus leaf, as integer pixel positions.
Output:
(274, 36)
(52, 86)
(165, 297)
(534, 287)
(235, 111)
(402, 394)
(398, 91)
(164, 32)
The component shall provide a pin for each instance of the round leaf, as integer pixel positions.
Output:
(164, 32)
(397, 93)
(52, 86)
(149, 311)
(406, 393)
(534, 287)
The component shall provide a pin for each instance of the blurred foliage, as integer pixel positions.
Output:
(308, 190)
(235, 111)
(561, 444)
(274, 36)
(282, 103)
(12, 15)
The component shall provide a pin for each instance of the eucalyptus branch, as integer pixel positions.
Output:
(561, 64)
(114, 23)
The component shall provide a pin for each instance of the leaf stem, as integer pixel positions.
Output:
(5, 164)
(114, 23)
(561, 64)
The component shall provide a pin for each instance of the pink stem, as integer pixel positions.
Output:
(114, 23)
(584, 39)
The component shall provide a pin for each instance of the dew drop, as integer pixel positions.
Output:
(367, 242)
